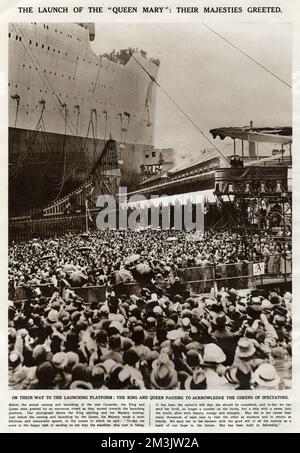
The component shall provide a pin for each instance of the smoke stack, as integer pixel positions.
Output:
(251, 123)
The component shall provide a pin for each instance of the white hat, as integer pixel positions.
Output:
(266, 376)
(245, 348)
(108, 365)
(213, 354)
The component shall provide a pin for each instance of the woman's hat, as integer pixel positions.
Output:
(196, 382)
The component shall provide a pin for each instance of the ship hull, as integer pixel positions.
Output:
(65, 102)
(44, 166)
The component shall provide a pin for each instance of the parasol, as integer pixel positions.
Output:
(142, 272)
(69, 268)
(77, 278)
(85, 249)
(142, 269)
(172, 239)
(131, 259)
(121, 276)
(53, 243)
(46, 257)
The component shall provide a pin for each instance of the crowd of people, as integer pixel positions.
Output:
(95, 258)
(161, 338)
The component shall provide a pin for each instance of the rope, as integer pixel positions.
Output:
(65, 158)
(248, 56)
(181, 110)
(48, 84)
(98, 73)
(14, 171)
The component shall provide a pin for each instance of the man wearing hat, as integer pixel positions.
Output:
(163, 375)
(18, 374)
(213, 358)
(266, 377)
(197, 381)
(225, 338)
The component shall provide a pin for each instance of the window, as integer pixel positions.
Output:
(153, 153)
(146, 156)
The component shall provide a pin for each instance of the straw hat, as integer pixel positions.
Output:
(213, 354)
(196, 382)
(163, 375)
(266, 376)
(245, 348)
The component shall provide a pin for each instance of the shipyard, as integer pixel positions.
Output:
(150, 207)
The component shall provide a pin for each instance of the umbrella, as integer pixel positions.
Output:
(77, 278)
(85, 249)
(46, 257)
(121, 276)
(172, 239)
(142, 272)
(69, 268)
(34, 281)
(36, 245)
(142, 269)
(131, 259)
(53, 243)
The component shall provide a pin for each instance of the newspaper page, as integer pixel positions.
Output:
(148, 268)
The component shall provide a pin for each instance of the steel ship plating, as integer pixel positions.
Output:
(65, 102)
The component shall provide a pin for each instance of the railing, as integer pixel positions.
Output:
(199, 279)
(44, 228)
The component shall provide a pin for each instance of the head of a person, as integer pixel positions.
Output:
(193, 358)
(213, 355)
(80, 372)
(138, 335)
(97, 377)
(60, 361)
(130, 357)
(45, 374)
(15, 359)
(115, 342)
(266, 377)
(39, 354)
(197, 381)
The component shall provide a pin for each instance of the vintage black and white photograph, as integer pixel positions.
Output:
(150, 206)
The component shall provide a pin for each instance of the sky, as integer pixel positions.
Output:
(212, 82)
